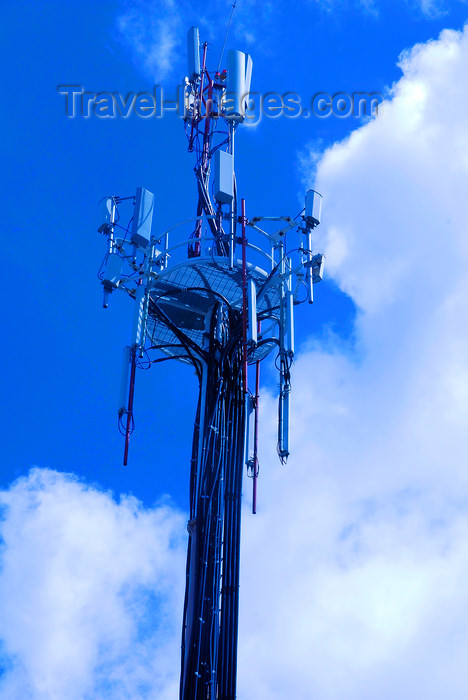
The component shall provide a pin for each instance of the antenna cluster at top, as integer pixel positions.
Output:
(260, 268)
(229, 88)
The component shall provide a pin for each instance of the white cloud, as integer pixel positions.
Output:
(153, 32)
(432, 8)
(91, 593)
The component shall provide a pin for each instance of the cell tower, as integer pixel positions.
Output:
(216, 291)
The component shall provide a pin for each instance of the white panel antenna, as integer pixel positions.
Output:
(142, 217)
(317, 267)
(224, 176)
(239, 74)
(107, 208)
(113, 271)
(193, 53)
(313, 208)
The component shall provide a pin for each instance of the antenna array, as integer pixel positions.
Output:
(218, 291)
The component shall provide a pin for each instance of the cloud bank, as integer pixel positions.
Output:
(354, 569)
(91, 591)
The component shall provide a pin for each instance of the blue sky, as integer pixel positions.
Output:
(379, 386)
(64, 383)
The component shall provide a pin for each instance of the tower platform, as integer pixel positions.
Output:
(187, 291)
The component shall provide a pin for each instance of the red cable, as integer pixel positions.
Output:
(131, 394)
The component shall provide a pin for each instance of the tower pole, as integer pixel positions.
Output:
(209, 637)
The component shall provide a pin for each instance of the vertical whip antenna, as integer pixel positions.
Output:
(226, 35)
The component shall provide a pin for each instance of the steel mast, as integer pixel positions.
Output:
(221, 302)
